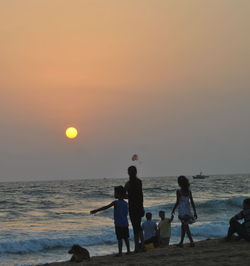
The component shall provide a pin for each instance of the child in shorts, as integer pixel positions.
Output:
(120, 218)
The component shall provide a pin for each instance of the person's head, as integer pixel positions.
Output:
(246, 204)
(162, 215)
(119, 192)
(149, 216)
(183, 183)
(132, 171)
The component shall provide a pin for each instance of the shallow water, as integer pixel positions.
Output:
(40, 221)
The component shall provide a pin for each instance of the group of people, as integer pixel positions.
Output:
(133, 192)
(159, 235)
(156, 235)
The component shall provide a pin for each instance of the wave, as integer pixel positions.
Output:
(235, 202)
(212, 230)
(38, 244)
(205, 206)
(206, 230)
(31, 245)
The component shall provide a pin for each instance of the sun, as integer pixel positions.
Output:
(71, 132)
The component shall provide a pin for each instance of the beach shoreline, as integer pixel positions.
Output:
(206, 252)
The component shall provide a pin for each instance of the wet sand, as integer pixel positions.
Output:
(205, 253)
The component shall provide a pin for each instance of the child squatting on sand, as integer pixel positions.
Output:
(183, 199)
(243, 230)
(120, 218)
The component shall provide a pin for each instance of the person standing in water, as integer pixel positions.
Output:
(136, 209)
(184, 199)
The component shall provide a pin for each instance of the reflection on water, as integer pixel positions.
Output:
(41, 220)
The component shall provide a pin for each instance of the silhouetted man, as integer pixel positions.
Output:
(135, 203)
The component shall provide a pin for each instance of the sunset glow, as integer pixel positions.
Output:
(166, 79)
(123, 96)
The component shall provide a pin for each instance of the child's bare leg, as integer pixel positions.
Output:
(183, 232)
(190, 235)
(127, 244)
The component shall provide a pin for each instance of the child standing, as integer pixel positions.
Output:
(164, 229)
(120, 218)
(184, 199)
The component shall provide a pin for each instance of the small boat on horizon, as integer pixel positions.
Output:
(200, 176)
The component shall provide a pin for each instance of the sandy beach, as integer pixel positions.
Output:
(206, 253)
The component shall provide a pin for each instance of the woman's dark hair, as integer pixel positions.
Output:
(184, 184)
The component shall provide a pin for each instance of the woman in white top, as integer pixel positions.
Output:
(184, 201)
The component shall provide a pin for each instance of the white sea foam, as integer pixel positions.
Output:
(36, 244)
(30, 245)
(49, 217)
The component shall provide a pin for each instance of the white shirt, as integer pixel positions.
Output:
(149, 229)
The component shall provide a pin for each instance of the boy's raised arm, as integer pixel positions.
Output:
(103, 208)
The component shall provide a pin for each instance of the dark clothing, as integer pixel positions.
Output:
(121, 232)
(244, 214)
(135, 202)
(121, 213)
(135, 196)
(240, 229)
(136, 222)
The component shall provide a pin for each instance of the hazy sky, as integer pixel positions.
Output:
(168, 80)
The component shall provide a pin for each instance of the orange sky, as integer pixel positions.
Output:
(153, 77)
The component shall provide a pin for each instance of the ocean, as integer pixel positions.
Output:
(40, 221)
